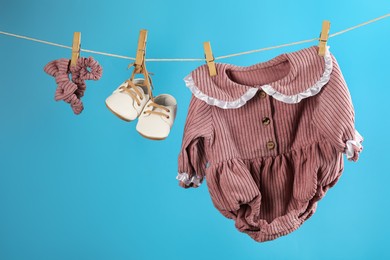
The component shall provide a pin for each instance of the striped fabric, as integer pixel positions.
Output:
(71, 90)
(267, 163)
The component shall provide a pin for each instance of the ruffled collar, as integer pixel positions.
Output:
(292, 77)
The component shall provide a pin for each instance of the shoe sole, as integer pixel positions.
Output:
(121, 117)
(152, 138)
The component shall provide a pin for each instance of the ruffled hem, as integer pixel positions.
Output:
(185, 178)
(314, 90)
(216, 102)
(354, 147)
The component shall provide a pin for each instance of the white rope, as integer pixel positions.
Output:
(359, 25)
(200, 59)
(266, 49)
(64, 46)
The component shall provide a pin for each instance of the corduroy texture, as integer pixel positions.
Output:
(68, 90)
(268, 162)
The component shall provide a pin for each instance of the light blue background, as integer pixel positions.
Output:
(90, 187)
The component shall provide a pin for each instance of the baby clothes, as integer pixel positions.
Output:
(268, 138)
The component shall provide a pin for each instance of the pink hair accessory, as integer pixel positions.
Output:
(72, 90)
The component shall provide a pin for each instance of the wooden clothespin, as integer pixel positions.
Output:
(75, 48)
(141, 51)
(209, 59)
(139, 64)
(323, 37)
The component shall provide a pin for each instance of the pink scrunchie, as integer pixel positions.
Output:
(68, 90)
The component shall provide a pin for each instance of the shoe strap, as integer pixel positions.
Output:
(152, 104)
(147, 81)
(130, 89)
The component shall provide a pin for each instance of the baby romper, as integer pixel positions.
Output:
(269, 139)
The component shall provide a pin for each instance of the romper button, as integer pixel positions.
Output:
(262, 94)
(266, 121)
(270, 145)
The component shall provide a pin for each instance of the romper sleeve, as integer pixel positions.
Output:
(334, 115)
(196, 141)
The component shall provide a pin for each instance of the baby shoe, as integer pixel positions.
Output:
(157, 117)
(129, 99)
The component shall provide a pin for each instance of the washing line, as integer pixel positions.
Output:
(199, 59)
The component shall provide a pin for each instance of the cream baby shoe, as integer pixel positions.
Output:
(157, 117)
(129, 99)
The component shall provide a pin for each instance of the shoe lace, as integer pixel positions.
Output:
(152, 104)
(131, 88)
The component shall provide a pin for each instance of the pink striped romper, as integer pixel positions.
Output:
(269, 139)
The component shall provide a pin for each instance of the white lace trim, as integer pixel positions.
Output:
(216, 102)
(184, 177)
(313, 90)
(350, 151)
